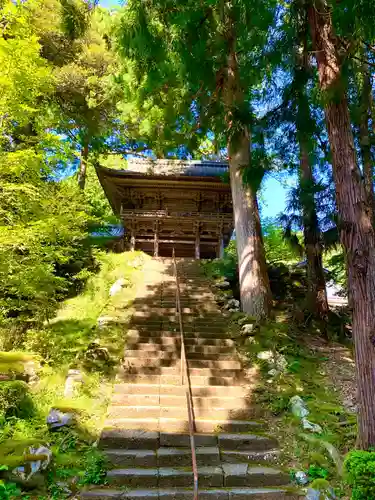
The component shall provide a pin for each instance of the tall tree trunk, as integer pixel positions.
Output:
(82, 172)
(364, 133)
(317, 293)
(355, 222)
(254, 282)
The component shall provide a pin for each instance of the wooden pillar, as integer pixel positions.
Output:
(197, 246)
(221, 246)
(132, 240)
(156, 239)
(197, 241)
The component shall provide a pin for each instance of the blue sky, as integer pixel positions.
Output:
(273, 191)
(273, 197)
(109, 3)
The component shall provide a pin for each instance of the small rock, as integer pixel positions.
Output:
(309, 426)
(247, 329)
(273, 373)
(280, 362)
(57, 419)
(298, 406)
(31, 369)
(223, 285)
(105, 320)
(30, 468)
(73, 379)
(96, 353)
(233, 310)
(250, 340)
(117, 286)
(265, 355)
(301, 478)
(312, 494)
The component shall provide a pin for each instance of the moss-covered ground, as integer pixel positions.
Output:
(56, 347)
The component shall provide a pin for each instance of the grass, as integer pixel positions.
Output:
(320, 456)
(56, 347)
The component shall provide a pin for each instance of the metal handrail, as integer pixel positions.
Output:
(185, 381)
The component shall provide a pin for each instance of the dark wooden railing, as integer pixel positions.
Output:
(185, 381)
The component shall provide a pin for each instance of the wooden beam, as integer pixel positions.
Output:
(183, 242)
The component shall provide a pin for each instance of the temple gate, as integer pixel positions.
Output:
(166, 204)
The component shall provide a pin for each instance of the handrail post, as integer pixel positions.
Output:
(185, 381)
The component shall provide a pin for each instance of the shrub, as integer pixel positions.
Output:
(360, 474)
(15, 400)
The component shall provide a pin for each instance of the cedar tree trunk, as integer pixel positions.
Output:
(355, 222)
(254, 282)
(317, 293)
(364, 134)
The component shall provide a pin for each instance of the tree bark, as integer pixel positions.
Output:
(82, 172)
(364, 133)
(317, 293)
(355, 222)
(254, 282)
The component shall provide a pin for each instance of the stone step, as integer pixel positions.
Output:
(123, 399)
(163, 457)
(243, 474)
(255, 457)
(173, 367)
(131, 439)
(180, 425)
(152, 350)
(164, 477)
(159, 352)
(228, 475)
(169, 457)
(254, 442)
(187, 494)
(172, 339)
(189, 314)
(195, 380)
(178, 390)
(174, 362)
(180, 412)
(156, 331)
(182, 440)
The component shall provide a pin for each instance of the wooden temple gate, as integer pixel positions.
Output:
(166, 204)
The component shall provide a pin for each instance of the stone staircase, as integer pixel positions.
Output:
(146, 434)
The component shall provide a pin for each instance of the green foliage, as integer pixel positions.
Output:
(317, 472)
(9, 491)
(335, 262)
(277, 248)
(16, 400)
(94, 467)
(360, 469)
